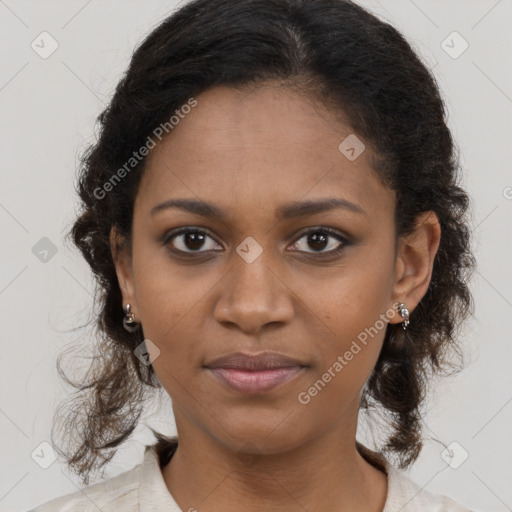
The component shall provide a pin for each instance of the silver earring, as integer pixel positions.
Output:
(404, 313)
(129, 322)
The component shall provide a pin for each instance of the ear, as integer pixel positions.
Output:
(123, 265)
(415, 261)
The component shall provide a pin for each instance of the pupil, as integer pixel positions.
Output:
(194, 240)
(315, 238)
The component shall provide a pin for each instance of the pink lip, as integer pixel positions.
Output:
(252, 382)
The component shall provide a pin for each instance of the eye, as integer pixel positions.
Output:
(319, 239)
(190, 240)
(187, 241)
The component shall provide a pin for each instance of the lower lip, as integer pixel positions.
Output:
(253, 382)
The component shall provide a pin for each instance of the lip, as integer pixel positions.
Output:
(253, 374)
(254, 362)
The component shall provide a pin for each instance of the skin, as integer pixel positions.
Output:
(249, 152)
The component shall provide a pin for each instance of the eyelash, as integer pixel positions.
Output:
(168, 237)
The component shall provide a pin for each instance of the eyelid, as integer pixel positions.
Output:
(331, 232)
(170, 235)
(345, 240)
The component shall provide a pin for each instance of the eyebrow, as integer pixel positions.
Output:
(288, 211)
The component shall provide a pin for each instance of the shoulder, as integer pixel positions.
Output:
(118, 493)
(141, 486)
(406, 496)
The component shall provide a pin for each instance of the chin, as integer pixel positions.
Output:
(268, 432)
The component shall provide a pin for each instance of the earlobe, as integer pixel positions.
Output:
(415, 261)
(122, 262)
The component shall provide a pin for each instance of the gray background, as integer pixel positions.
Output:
(48, 108)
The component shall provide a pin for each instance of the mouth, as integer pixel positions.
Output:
(254, 374)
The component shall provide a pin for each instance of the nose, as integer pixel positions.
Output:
(253, 295)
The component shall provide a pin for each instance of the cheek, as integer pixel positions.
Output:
(167, 294)
(334, 386)
(354, 311)
(168, 307)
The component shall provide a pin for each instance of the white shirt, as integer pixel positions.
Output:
(143, 489)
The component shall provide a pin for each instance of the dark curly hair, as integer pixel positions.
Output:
(362, 68)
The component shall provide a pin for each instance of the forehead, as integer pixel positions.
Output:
(254, 149)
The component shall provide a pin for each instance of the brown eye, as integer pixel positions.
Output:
(191, 240)
(321, 241)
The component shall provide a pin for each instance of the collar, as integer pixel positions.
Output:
(153, 493)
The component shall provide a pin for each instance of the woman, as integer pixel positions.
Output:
(273, 215)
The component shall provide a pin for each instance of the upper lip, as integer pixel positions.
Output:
(254, 362)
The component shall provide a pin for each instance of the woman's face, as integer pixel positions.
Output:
(259, 273)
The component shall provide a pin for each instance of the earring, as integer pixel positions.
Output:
(129, 319)
(404, 313)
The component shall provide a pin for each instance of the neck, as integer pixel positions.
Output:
(325, 473)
